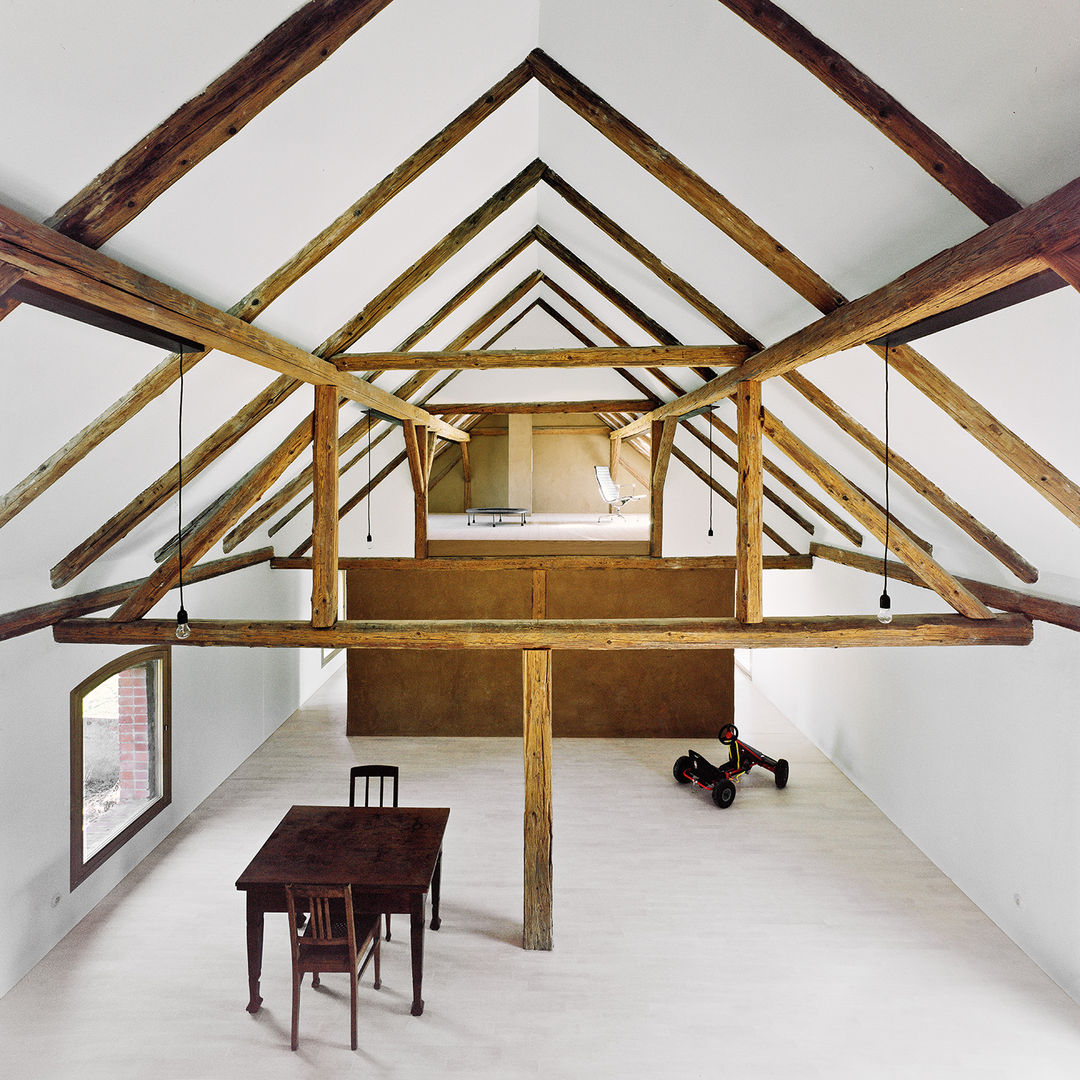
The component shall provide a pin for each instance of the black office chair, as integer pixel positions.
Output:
(369, 772)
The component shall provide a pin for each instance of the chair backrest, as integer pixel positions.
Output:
(608, 488)
(383, 772)
(322, 931)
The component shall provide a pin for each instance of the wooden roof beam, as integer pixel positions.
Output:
(1034, 607)
(618, 356)
(538, 407)
(845, 631)
(64, 266)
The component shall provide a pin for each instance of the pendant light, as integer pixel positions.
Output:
(885, 603)
(709, 534)
(370, 423)
(183, 629)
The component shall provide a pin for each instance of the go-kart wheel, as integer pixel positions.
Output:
(678, 770)
(780, 774)
(728, 734)
(723, 793)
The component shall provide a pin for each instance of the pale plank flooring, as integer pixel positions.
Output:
(797, 934)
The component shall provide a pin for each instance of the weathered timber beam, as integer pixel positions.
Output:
(845, 631)
(564, 322)
(922, 484)
(650, 261)
(538, 407)
(1034, 607)
(268, 507)
(243, 493)
(536, 710)
(880, 108)
(639, 356)
(1050, 482)
(259, 298)
(64, 266)
(680, 178)
(748, 552)
(1008, 251)
(325, 465)
(25, 620)
(427, 264)
(294, 48)
(551, 562)
(886, 530)
(732, 501)
(608, 291)
(512, 323)
(466, 291)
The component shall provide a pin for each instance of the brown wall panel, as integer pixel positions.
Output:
(476, 692)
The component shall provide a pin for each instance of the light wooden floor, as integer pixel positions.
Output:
(796, 934)
(542, 527)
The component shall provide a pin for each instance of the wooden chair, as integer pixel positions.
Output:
(335, 939)
(369, 772)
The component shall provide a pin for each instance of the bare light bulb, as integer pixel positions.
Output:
(884, 614)
(183, 630)
(709, 538)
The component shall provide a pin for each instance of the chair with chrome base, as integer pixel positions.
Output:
(335, 939)
(611, 492)
(369, 772)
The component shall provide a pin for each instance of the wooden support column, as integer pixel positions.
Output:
(614, 453)
(537, 738)
(324, 525)
(416, 449)
(663, 439)
(466, 468)
(748, 553)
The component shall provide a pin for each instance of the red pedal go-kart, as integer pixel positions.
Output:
(721, 779)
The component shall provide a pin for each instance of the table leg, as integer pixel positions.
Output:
(436, 889)
(417, 920)
(254, 950)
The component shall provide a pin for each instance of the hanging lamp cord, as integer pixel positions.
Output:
(888, 516)
(710, 475)
(180, 480)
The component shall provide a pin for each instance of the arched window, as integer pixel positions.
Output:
(121, 770)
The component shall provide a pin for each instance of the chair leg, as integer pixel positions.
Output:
(352, 988)
(377, 948)
(296, 1009)
(387, 918)
(314, 978)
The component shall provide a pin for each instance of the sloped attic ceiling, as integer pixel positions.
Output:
(999, 85)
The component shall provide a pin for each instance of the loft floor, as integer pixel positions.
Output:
(567, 534)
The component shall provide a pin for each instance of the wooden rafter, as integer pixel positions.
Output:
(480, 408)
(919, 482)
(26, 620)
(938, 498)
(898, 539)
(64, 266)
(844, 631)
(299, 45)
(994, 435)
(442, 563)
(1009, 251)
(1034, 607)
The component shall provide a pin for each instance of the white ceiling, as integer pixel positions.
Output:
(999, 81)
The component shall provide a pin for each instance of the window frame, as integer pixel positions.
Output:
(82, 868)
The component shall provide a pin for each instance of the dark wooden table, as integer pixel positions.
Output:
(389, 855)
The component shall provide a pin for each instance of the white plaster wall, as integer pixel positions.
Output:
(972, 752)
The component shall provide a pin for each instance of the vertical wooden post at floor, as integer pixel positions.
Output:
(466, 468)
(536, 664)
(416, 448)
(324, 526)
(663, 439)
(748, 546)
